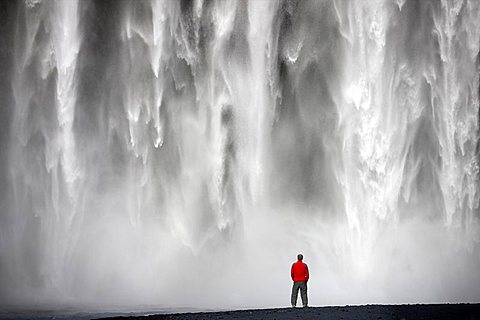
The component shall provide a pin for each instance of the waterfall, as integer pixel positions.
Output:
(181, 153)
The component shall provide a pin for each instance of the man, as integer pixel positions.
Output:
(300, 277)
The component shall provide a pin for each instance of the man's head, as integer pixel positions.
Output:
(300, 257)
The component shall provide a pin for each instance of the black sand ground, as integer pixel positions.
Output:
(376, 312)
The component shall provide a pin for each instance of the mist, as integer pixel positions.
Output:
(180, 154)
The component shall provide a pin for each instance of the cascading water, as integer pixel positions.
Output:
(181, 153)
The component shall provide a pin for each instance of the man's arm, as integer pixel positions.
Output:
(291, 271)
(307, 275)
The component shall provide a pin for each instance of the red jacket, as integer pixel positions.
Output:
(299, 272)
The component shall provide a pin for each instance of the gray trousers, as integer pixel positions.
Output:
(302, 286)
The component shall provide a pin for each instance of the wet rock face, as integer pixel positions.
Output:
(140, 136)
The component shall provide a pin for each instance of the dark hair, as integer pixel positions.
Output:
(300, 257)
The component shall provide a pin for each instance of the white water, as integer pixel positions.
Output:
(181, 154)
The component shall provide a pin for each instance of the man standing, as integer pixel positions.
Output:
(300, 276)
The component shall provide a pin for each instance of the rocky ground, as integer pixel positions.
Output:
(376, 312)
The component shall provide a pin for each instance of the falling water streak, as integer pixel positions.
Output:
(455, 103)
(52, 27)
(66, 41)
(142, 97)
(366, 146)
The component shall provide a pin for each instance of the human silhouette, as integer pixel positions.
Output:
(300, 277)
